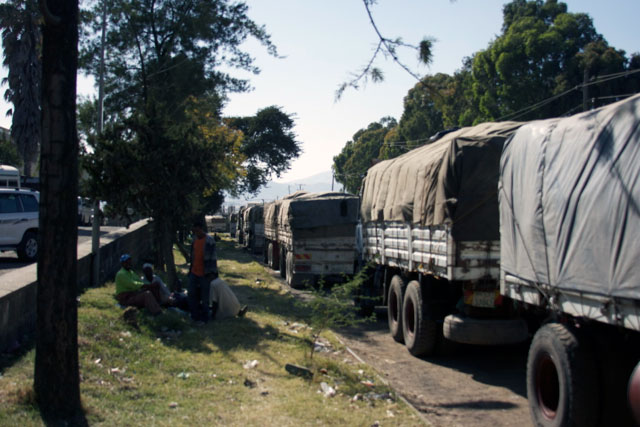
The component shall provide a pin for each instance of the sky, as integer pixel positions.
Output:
(321, 43)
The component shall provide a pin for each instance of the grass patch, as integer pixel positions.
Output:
(165, 371)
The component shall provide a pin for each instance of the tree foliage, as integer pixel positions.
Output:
(268, 146)
(547, 62)
(360, 153)
(166, 152)
(20, 21)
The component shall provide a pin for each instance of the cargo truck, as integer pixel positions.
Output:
(502, 231)
(430, 235)
(311, 236)
(569, 199)
(253, 228)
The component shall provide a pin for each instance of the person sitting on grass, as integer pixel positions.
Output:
(149, 278)
(131, 291)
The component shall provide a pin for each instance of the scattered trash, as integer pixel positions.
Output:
(375, 424)
(183, 375)
(324, 371)
(357, 397)
(299, 371)
(264, 393)
(125, 334)
(327, 390)
(379, 396)
(322, 346)
(117, 370)
(390, 414)
(361, 372)
(173, 405)
(367, 383)
(250, 364)
(296, 327)
(97, 361)
(249, 383)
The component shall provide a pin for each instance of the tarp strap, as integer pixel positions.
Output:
(537, 283)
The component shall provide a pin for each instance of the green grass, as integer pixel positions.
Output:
(167, 371)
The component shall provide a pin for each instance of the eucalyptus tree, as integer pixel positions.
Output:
(20, 21)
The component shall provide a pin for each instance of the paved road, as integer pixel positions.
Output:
(9, 260)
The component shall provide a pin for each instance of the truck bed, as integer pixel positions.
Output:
(430, 250)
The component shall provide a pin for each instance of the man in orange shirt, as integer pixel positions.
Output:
(204, 269)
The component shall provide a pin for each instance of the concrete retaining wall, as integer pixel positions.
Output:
(18, 288)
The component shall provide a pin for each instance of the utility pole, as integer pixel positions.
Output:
(95, 226)
(585, 89)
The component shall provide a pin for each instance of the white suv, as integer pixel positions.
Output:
(19, 222)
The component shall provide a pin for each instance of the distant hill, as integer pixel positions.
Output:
(277, 190)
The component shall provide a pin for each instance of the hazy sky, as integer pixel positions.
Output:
(323, 41)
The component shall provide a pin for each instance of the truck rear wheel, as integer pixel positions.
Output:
(561, 379)
(283, 262)
(420, 331)
(293, 279)
(270, 255)
(394, 307)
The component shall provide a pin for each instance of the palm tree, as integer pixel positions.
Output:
(22, 43)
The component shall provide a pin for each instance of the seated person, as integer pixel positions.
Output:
(223, 301)
(131, 291)
(149, 278)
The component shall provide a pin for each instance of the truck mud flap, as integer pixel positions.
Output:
(468, 330)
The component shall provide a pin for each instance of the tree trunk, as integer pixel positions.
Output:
(56, 376)
(166, 247)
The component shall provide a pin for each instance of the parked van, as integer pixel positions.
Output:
(9, 177)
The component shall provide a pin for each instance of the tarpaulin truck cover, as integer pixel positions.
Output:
(570, 202)
(452, 181)
(312, 210)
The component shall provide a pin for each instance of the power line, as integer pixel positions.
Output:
(597, 80)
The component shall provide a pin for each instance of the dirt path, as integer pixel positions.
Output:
(474, 387)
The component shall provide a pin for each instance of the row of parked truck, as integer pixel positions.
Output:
(490, 235)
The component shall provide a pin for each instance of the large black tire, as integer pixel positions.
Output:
(394, 307)
(28, 247)
(293, 279)
(270, 255)
(283, 262)
(265, 252)
(364, 294)
(420, 331)
(562, 379)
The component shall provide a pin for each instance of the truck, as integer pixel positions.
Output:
(253, 228)
(430, 236)
(9, 177)
(216, 223)
(569, 200)
(503, 233)
(311, 237)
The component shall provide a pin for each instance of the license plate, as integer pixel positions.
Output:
(484, 299)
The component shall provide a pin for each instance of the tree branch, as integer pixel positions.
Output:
(387, 47)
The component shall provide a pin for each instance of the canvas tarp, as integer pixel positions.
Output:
(313, 210)
(452, 181)
(570, 201)
(271, 210)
